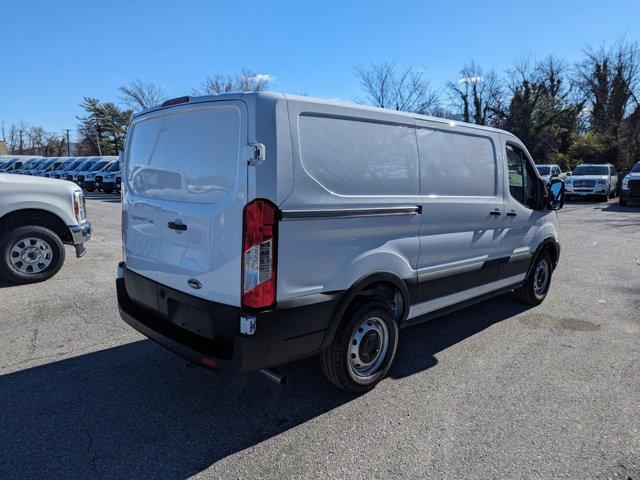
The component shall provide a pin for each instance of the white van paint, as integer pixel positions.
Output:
(445, 211)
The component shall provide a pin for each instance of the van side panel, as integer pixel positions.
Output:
(462, 211)
(354, 206)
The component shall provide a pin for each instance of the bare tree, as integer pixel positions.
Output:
(245, 81)
(386, 86)
(140, 94)
(35, 136)
(609, 79)
(477, 96)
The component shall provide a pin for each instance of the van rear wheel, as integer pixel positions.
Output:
(363, 349)
(536, 285)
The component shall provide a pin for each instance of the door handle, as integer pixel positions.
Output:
(177, 226)
(495, 211)
(511, 213)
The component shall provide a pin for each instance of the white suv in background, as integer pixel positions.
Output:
(592, 179)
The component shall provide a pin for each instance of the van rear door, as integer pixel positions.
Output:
(200, 179)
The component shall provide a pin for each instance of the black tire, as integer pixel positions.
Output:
(528, 293)
(107, 190)
(10, 239)
(622, 202)
(336, 359)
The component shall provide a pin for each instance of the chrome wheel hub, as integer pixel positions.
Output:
(30, 255)
(368, 348)
(541, 279)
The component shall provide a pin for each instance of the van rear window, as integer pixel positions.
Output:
(187, 156)
(355, 157)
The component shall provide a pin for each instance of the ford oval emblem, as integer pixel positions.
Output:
(193, 283)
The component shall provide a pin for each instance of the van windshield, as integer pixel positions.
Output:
(591, 170)
(71, 165)
(85, 166)
(114, 167)
(544, 170)
(188, 156)
(99, 166)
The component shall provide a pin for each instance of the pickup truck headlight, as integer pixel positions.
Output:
(79, 206)
(625, 183)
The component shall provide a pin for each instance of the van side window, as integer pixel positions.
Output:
(456, 164)
(522, 178)
(356, 157)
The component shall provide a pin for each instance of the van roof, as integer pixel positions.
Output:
(313, 100)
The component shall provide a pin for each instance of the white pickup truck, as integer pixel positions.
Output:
(37, 216)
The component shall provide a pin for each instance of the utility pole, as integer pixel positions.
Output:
(20, 141)
(68, 144)
(98, 138)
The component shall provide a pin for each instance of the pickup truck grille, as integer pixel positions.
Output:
(634, 185)
(98, 178)
(81, 178)
(584, 183)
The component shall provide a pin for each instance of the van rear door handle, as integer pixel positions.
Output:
(177, 226)
(495, 211)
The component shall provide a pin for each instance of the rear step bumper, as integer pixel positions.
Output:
(282, 334)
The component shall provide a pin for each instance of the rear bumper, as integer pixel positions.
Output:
(281, 335)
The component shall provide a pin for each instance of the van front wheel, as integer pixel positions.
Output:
(363, 349)
(536, 285)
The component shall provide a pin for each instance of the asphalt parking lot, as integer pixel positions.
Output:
(494, 391)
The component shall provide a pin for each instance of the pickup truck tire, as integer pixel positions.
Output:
(535, 287)
(363, 349)
(30, 254)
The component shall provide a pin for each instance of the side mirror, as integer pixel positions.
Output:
(555, 175)
(555, 194)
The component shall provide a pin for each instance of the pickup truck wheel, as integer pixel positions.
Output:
(536, 285)
(30, 254)
(363, 349)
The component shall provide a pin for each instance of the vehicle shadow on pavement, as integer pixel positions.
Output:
(630, 208)
(138, 411)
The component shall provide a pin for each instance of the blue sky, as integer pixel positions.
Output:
(55, 52)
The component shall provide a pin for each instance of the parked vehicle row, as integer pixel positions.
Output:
(90, 173)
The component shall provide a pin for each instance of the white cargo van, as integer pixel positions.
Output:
(262, 228)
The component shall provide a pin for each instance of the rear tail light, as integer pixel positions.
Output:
(259, 237)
